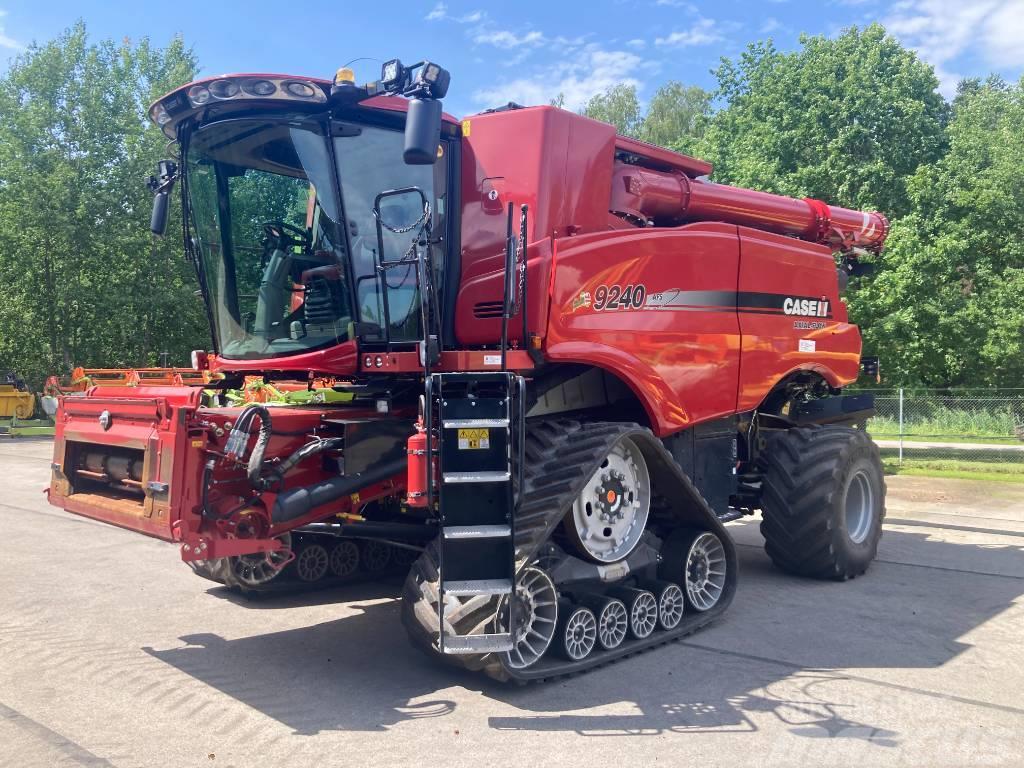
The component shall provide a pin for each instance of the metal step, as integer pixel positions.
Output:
(477, 477)
(477, 643)
(478, 587)
(475, 423)
(477, 531)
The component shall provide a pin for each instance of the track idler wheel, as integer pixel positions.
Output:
(577, 631)
(312, 563)
(643, 610)
(536, 617)
(699, 558)
(261, 568)
(344, 558)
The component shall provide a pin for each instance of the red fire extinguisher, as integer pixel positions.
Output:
(416, 448)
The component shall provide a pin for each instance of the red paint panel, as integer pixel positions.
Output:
(337, 360)
(771, 342)
(556, 162)
(681, 358)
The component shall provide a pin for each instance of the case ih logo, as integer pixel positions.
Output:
(805, 307)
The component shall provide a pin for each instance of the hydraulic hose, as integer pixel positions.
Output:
(240, 436)
(296, 502)
(309, 449)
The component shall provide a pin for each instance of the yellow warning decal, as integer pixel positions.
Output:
(465, 129)
(474, 439)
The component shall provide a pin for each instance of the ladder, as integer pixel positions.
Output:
(480, 445)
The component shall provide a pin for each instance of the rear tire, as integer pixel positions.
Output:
(823, 501)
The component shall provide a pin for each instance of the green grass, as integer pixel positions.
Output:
(1005, 472)
(934, 417)
(943, 438)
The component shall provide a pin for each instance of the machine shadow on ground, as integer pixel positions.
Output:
(774, 652)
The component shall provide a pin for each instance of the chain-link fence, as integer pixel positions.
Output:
(953, 430)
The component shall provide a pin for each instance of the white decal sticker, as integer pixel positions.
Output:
(492, 359)
(807, 345)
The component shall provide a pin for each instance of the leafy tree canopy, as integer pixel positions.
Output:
(947, 307)
(84, 283)
(845, 119)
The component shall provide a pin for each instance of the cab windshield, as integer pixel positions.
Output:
(286, 269)
(267, 227)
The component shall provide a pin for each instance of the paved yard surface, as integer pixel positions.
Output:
(113, 653)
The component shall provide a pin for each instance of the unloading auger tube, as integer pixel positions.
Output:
(561, 456)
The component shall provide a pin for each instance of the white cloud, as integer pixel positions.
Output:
(943, 30)
(9, 42)
(702, 32)
(502, 38)
(770, 25)
(677, 4)
(637, 43)
(593, 70)
(440, 11)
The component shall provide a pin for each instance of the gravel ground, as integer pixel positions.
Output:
(113, 653)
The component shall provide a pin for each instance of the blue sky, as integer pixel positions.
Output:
(528, 51)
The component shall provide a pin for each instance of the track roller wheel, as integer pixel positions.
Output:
(642, 608)
(376, 556)
(612, 620)
(670, 603)
(577, 631)
(312, 563)
(699, 558)
(344, 559)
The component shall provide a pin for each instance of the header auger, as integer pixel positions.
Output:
(531, 364)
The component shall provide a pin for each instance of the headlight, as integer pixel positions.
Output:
(160, 115)
(259, 87)
(198, 95)
(302, 90)
(224, 89)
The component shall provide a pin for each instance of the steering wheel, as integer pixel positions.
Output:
(285, 235)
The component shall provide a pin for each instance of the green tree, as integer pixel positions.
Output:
(676, 116)
(619, 106)
(84, 282)
(947, 308)
(847, 119)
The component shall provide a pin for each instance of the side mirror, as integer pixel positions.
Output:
(422, 131)
(161, 185)
(158, 221)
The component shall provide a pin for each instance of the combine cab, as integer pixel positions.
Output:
(533, 364)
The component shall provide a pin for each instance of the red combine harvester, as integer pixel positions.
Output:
(558, 361)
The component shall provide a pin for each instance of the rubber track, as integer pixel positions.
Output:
(561, 455)
(219, 571)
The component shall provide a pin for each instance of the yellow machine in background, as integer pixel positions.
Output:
(15, 400)
(18, 409)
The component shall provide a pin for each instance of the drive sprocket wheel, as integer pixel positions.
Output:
(608, 517)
